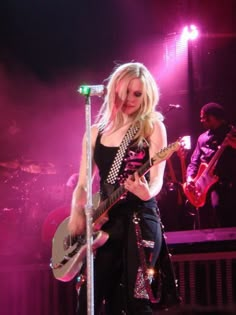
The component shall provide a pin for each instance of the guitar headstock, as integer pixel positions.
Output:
(166, 152)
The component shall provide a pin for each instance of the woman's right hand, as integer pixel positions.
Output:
(77, 223)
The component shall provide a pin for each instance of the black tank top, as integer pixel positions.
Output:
(133, 159)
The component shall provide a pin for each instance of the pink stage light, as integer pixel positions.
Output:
(190, 32)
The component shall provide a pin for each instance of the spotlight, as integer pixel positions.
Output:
(190, 32)
(186, 142)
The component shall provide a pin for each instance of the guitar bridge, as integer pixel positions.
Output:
(55, 266)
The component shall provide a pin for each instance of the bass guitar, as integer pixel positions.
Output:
(196, 191)
(69, 252)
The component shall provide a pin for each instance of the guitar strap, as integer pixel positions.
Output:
(116, 164)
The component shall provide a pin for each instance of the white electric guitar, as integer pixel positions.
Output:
(69, 252)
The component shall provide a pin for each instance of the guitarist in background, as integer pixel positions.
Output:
(131, 99)
(220, 205)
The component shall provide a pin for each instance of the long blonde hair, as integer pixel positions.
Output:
(110, 115)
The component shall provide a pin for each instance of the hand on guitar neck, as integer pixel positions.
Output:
(231, 138)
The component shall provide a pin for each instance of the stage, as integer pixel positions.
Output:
(205, 266)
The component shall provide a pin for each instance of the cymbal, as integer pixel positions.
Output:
(38, 167)
(10, 164)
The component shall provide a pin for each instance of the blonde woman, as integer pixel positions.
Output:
(130, 102)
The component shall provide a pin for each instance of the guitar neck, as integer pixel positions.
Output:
(218, 153)
(216, 157)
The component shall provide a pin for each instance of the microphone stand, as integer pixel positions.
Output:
(168, 109)
(88, 210)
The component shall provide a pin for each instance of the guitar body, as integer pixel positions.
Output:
(196, 192)
(68, 253)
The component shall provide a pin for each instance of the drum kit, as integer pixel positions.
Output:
(30, 166)
(28, 191)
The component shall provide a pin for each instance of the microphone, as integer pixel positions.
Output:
(92, 90)
(175, 106)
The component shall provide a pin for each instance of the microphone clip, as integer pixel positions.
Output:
(92, 90)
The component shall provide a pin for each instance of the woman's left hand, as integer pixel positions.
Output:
(138, 186)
